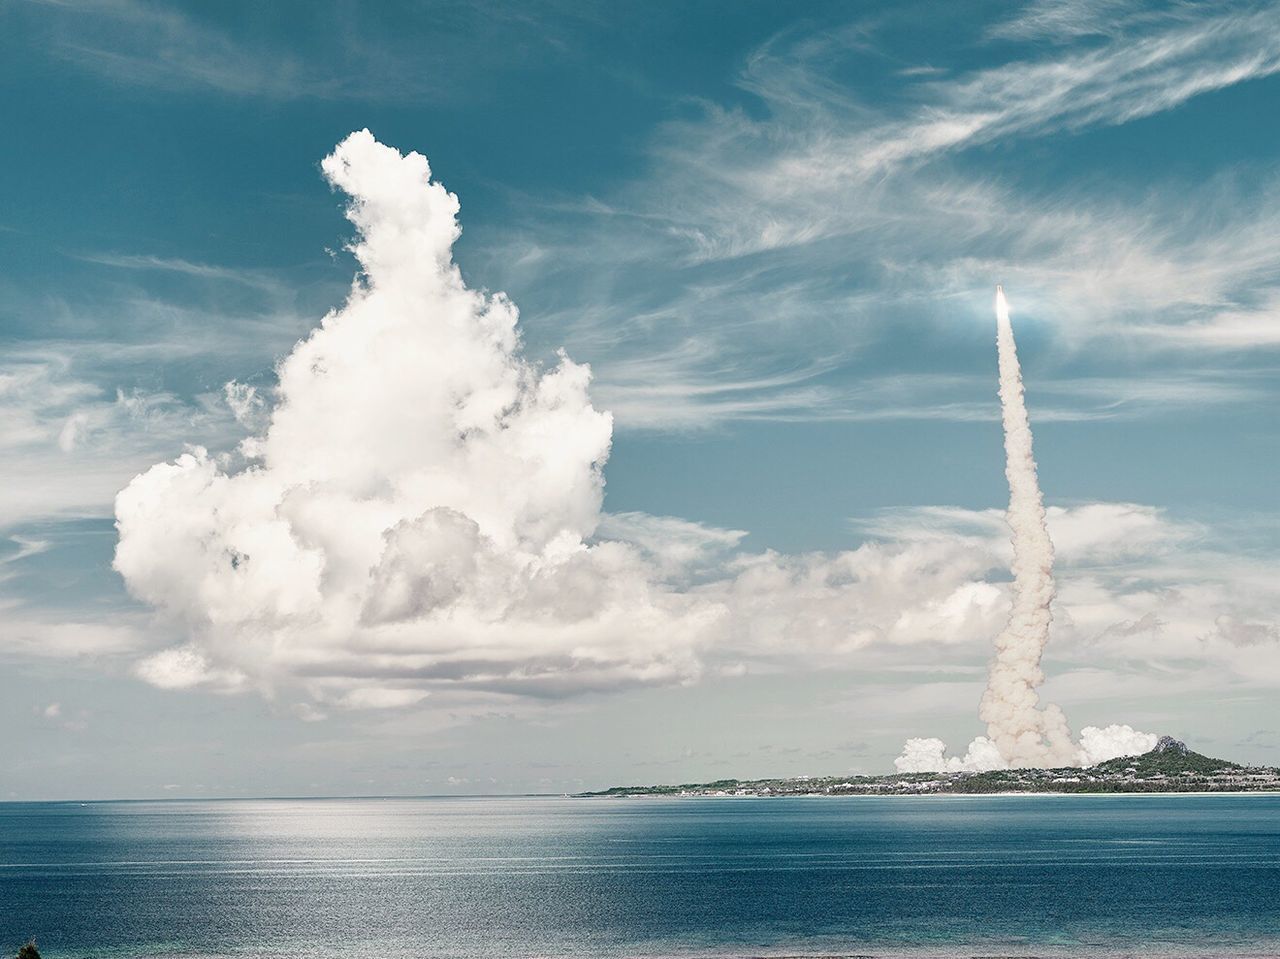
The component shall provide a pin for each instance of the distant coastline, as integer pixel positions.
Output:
(626, 792)
(1169, 769)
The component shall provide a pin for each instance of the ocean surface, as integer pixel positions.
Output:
(533, 877)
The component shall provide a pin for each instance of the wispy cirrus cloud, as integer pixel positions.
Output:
(260, 280)
(69, 443)
(821, 162)
(142, 43)
(107, 385)
(100, 379)
(824, 217)
(1156, 67)
(1067, 20)
(331, 53)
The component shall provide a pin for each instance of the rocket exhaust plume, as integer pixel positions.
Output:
(1019, 731)
(1025, 734)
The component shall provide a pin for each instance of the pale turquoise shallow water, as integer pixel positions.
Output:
(936, 876)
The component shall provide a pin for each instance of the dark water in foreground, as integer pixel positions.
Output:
(951, 876)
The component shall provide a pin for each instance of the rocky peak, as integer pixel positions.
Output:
(1167, 744)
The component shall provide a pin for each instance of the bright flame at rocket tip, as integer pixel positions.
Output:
(1002, 305)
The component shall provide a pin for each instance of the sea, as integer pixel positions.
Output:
(937, 876)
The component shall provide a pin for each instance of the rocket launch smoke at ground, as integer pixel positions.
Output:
(1019, 731)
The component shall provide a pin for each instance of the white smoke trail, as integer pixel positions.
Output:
(1019, 731)
(1025, 734)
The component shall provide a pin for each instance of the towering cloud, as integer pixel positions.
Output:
(420, 506)
(1019, 731)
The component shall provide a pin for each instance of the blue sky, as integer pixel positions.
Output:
(773, 238)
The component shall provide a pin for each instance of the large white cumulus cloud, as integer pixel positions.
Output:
(421, 503)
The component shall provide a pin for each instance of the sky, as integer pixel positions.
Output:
(489, 397)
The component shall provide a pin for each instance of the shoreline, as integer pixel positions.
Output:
(944, 795)
(600, 795)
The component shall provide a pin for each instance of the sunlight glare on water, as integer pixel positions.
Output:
(935, 876)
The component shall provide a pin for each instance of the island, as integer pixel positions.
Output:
(1168, 768)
